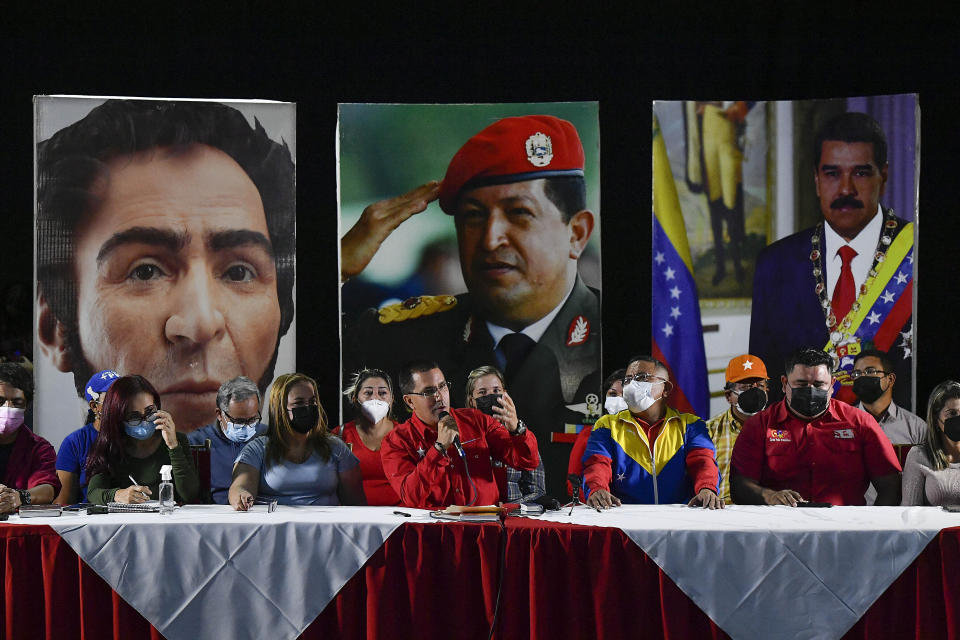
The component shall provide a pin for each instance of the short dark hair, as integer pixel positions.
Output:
(74, 159)
(650, 359)
(885, 360)
(18, 377)
(567, 193)
(808, 357)
(405, 375)
(853, 126)
(619, 374)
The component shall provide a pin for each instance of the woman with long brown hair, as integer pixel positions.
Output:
(136, 438)
(298, 462)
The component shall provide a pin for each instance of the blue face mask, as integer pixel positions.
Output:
(240, 433)
(140, 431)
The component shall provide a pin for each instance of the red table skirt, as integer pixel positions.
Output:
(561, 581)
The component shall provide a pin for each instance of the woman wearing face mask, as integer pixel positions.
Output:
(371, 395)
(137, 438)
(298, 462)
(931, 473)
(613, 402)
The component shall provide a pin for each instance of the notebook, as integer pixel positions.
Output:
(150, 506)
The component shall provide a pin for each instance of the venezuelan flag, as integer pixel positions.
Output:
(675, 306)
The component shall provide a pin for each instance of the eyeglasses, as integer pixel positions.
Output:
(869, 371)
(431, 392)
(16, 403)
(740, 387)
(243, 421)
(135, 417)
(643, 377)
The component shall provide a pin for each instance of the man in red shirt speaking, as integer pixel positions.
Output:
(810, 447)
(442, 456)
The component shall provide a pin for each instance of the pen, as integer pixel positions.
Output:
(401, 513)
(133, 481)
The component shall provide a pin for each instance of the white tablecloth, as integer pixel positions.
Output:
(777, 572)
(249, 575)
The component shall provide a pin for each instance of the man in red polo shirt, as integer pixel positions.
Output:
(811, 447)
(426, 466)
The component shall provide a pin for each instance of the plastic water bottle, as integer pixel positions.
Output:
(167, 504)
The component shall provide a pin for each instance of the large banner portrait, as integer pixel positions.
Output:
(165, 247)
(494, 260)
(798, 219)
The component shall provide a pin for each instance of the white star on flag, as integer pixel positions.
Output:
(675, 312)
(887, 296)
(667, 330)
(874, 317)
(747, 365)
(901, 277)
(659, 258)
(621, 476)
(669, 273)
(675, 292)
(910, 258)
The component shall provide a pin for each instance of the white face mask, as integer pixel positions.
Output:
(615, 404)
(639, 395)
(374, 410)
(10, 419)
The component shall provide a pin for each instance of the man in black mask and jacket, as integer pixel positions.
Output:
(812, 448)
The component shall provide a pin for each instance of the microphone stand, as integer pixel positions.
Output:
(575, 483)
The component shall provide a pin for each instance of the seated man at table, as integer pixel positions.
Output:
(651, 453)
(812, 447)
(238, 421)
(28, 472)
(441, 455)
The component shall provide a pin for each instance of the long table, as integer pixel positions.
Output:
(562, 580)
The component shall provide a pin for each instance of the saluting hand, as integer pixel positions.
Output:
(376, 223)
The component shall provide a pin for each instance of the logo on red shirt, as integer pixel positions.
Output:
(780, 435)
(844, 434)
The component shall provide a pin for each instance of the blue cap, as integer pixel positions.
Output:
(98, 384)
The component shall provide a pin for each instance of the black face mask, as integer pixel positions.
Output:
(951, 428)
(487, 403)
(752, 401)
(868, 388)
(305, 418)
(809, 401)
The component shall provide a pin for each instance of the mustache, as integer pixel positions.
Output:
(846, 201)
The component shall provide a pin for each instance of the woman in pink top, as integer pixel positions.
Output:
(371, 394)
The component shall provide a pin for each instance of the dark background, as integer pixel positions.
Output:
(491, 52)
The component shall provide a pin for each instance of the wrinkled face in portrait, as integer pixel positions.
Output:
(849, 185)
(176, 279)
(518, 256)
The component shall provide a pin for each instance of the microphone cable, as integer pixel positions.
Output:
(474, 493)
(502, 568)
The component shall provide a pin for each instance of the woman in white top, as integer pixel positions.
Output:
(931, 473)
(298, 462)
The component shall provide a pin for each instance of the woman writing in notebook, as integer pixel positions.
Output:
(137, 438)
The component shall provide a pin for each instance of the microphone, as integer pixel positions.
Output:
(456, 439)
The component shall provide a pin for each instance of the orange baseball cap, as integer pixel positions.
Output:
(513, 150)
(746, 366)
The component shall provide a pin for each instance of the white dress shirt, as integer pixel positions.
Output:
(865, 244)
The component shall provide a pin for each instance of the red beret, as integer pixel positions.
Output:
(513, 150)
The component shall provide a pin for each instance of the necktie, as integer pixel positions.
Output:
(514, 347)
(845, 292)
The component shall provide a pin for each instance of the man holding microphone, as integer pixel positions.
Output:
(442, 456)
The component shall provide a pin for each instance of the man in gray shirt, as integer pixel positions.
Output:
(873, 381)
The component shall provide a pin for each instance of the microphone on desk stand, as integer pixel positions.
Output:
(575, 485)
